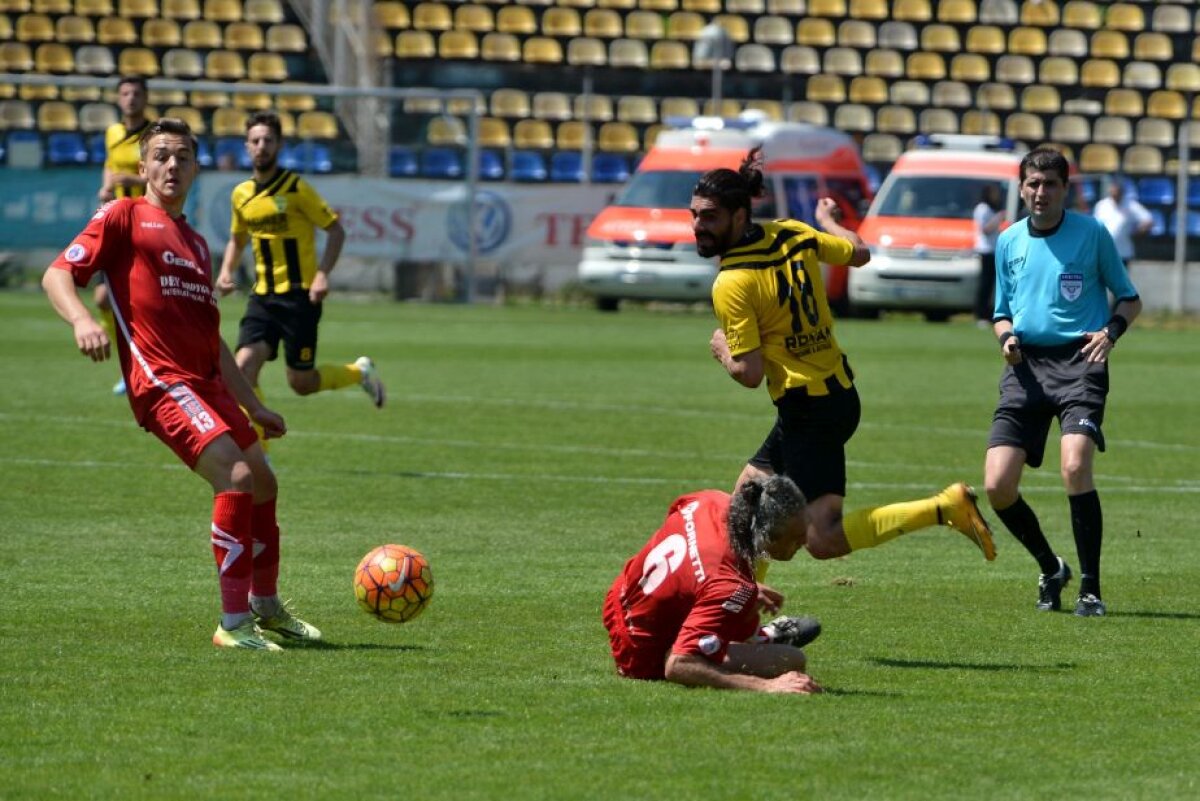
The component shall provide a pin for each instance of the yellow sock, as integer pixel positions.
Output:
(262, 440)
(109, 324)
(868, 528)
(336, 376)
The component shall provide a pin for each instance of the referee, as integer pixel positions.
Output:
(1056, 329)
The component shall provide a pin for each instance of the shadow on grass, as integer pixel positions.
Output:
(984, 666)
(1157, 615)
(326, 645)
(865, 693)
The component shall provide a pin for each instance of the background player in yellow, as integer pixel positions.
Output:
(278, 212)
(776, 324)
(121, 175)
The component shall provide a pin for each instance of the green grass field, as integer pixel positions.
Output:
(528, 452)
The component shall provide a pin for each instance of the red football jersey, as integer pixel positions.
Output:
(159, 274)
(685, 592)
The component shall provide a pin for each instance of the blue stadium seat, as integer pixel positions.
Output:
(3, 152)
(1193, 223)
(1194, 193)
(1159, 226)
(97, 153)
(66, 147)
(528, 165)
(566, 166)
(307, 156)
(610, 168)
(204, 154)
(402, 162)
(232, 147)
(1157, 191)
(440, 162)
(491, 165)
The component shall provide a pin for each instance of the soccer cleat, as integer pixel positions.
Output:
(1089, 605)
(283, 622)
(247, 635)
(370, 380)
(1050, 587)
(795, 631)
(961, 513)
(119, 388)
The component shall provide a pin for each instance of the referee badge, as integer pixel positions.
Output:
(1070, 285)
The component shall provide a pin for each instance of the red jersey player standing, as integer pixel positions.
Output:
(184, 386)
(685, 608)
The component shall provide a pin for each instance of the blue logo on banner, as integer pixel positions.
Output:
(493, 221)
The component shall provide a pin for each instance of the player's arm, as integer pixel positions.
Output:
(696, 671)
(271, 423)
(89, 335)
(827, 215)
(233, 254)
(1129, 304)
(746, 368)
(736, 344)
(106, 191)
(335, 239)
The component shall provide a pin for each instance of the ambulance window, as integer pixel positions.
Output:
(931, 196)
(659, 189)
(801, 192)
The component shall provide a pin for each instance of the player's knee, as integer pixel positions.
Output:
(304, 382)
(241, 477)
(1076, 474)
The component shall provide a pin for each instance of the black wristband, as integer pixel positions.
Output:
(1116, 327)
(1007, 335)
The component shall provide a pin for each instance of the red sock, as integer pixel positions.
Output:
(231, 544)
(265, 529)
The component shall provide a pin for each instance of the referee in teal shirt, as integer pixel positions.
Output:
(1054, 275)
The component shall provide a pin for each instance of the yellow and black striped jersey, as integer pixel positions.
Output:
(769, 294)
(281, 217)
(123, 152)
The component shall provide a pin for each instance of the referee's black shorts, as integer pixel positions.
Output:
(291, 317)
(1049, 382)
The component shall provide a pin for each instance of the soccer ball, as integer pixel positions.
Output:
(393, 583)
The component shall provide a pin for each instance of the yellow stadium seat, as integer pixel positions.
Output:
(288, 38)
(381, 43)
(1042, 13)
(1112, 131)
(754, 58)
(161, 33)
(881, 147)
(771, 30)
(952, 94)
(909, 93)
(191, 116)
(853, 118)
(1067, 42)
(870, 89)
(34, 28)
(815, 33)
(1124, 103)
(1082, 14)
(997, 96)
(267, 12)
(971, 67)
(54, 57)
(1125, 17)
(1183, 77)
(669, 55)
(684, 107)
(1072, 128)
(223, 65)
(664, 6)
(559, 21)
(138, 9)
(771, 109)
(78, 94)
(1058, 71)
(73, 29)
(243, 36)
(912, 10)
(925, 67)
(210, 100)
(94, 60)
(958, 12)
(266, 68)
(593, 108)
(1171, 19)
(842, 61)
(1015, 69)
(57, 115)
(180, 10)
(475, 18)
(618, 137)
(1027, 41)
(734, 25)
(1110, 44)
(1099, 72)
(432, 17)
(6, 29)
(183, 63)
(458, 45)
(1099, 158)
(938, 120)
(896, 119)
(682, 25)
(604, 23)
(228, 121)
(44, 92)
(516, 19)
(940, 38)
(1166, 103)
(981, 123)
(295, 102)
(391, 15)
(898, 35)
(415, 44)
(631, 53)
(800, 60)
(221, 10)
(551, 106)
(94, 8)
(650, 137)
(1153, 47)
(54, 7)
(498, 47)
(863, 9)
(572, 135)
(825, 89)
(856, 33)
(1155, 131)
(808, 111)
(1025, 127)
(750, 8)
(137, 61)
(494, 132)
(96, 117)
(251, 101)
(16, 115)
(702, 6)
(533, 134)
(1141, 75)
(728, 108)
(1142, 160)
(586, 51)
(445, 131)
(885, 63)
(827, 8)
(166, 97)
(637, 109)
(203, 34)
(986, 39)
(1039, 99)
(1196, 48)
(999, 12)
(462, 106)
(644, 25)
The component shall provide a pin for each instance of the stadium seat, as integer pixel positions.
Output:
(734, 25)
(243, 36)
(999, 12)
(96, 117)
(800, 60)
(138, 9)
(295, 102)
(772, 30)
(1110, 44)
(825, 89)
(636, 109)
(494, 132)
(981, 123)
(842, 61)
(53, 57)
(815, 32)
(809, 112)
(1025, 127)
(1156, 191)
(1142, 160)
(72, 29)
(770, 109)
(1015, 69)
(1167, 104)
(1171, 19)
(1038, 99)
(1070, 128)
(179, 10)
(66, 147)
(750, 8)
(266, 68)
(475, 18)
(1141, 75)
(209, 100)
(663, 6)
(457, 46)
(528, 167)
(391, 15)
(97, 152)
(510, 104)
(37, 93)
(495, 47)
(938, 120)
(678, 107)
(987, 39)
(115, 31)
(1155, 131)
(1081, 14)
(996, 96)
(564, 22)
(440, 162)
(566, 167)
(267, 12)
(533, 135)
(551, 106)
(952, 94)
(940, 38)
(880, 147)
(604, 23)
(162, 33)
(183, 64)
(586, 51)
(572, 135)
(909, 93)
(1193, 195)
(491, 164)
(1099, 73)
(203, 34)
(1124, 103)
(1099, 158)
(1041, 13)
(16, 114)
(699, 6)
(57, 115)
(628, 53)
(874, 10)
(827, 8)
(1027, 41)
(757, 58)
(445, 131)
(228, 122)
(93, 60)
(727, 108)
(224, 11)
(221, 65)
(288, 38)
(1058, 71)
(853, 118)
(138, 61)
(669, 55)
(1153, 47)
(650, 137)
(610, 168)
(884, 63)
(869, 89)
(898, 35)
(971, 67)
(1183, 77)
(1067, 43)
(644, 25)
(516, 19)
(896, 119)
(912, 10)
(317, 125)
(1125, 17)
(53, 7)
(542, 50)
(925, 67)
(415, 45)
(75, 94)
(856, 33)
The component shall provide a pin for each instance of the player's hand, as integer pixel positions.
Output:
(105, 194)
(271, 423)
(794, 682)
(92, 340)
(827, 211)
(719, 346)
(1011, 349)
(225, 283)
(1097, 347)
(319, 287)
(769, 600)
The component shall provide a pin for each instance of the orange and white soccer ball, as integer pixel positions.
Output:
(393, 583)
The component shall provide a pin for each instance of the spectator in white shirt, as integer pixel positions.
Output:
(1124, 218)
(989, 218)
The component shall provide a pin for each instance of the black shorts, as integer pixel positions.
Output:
(1049, 382)
(808, 441)
(292, 318)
